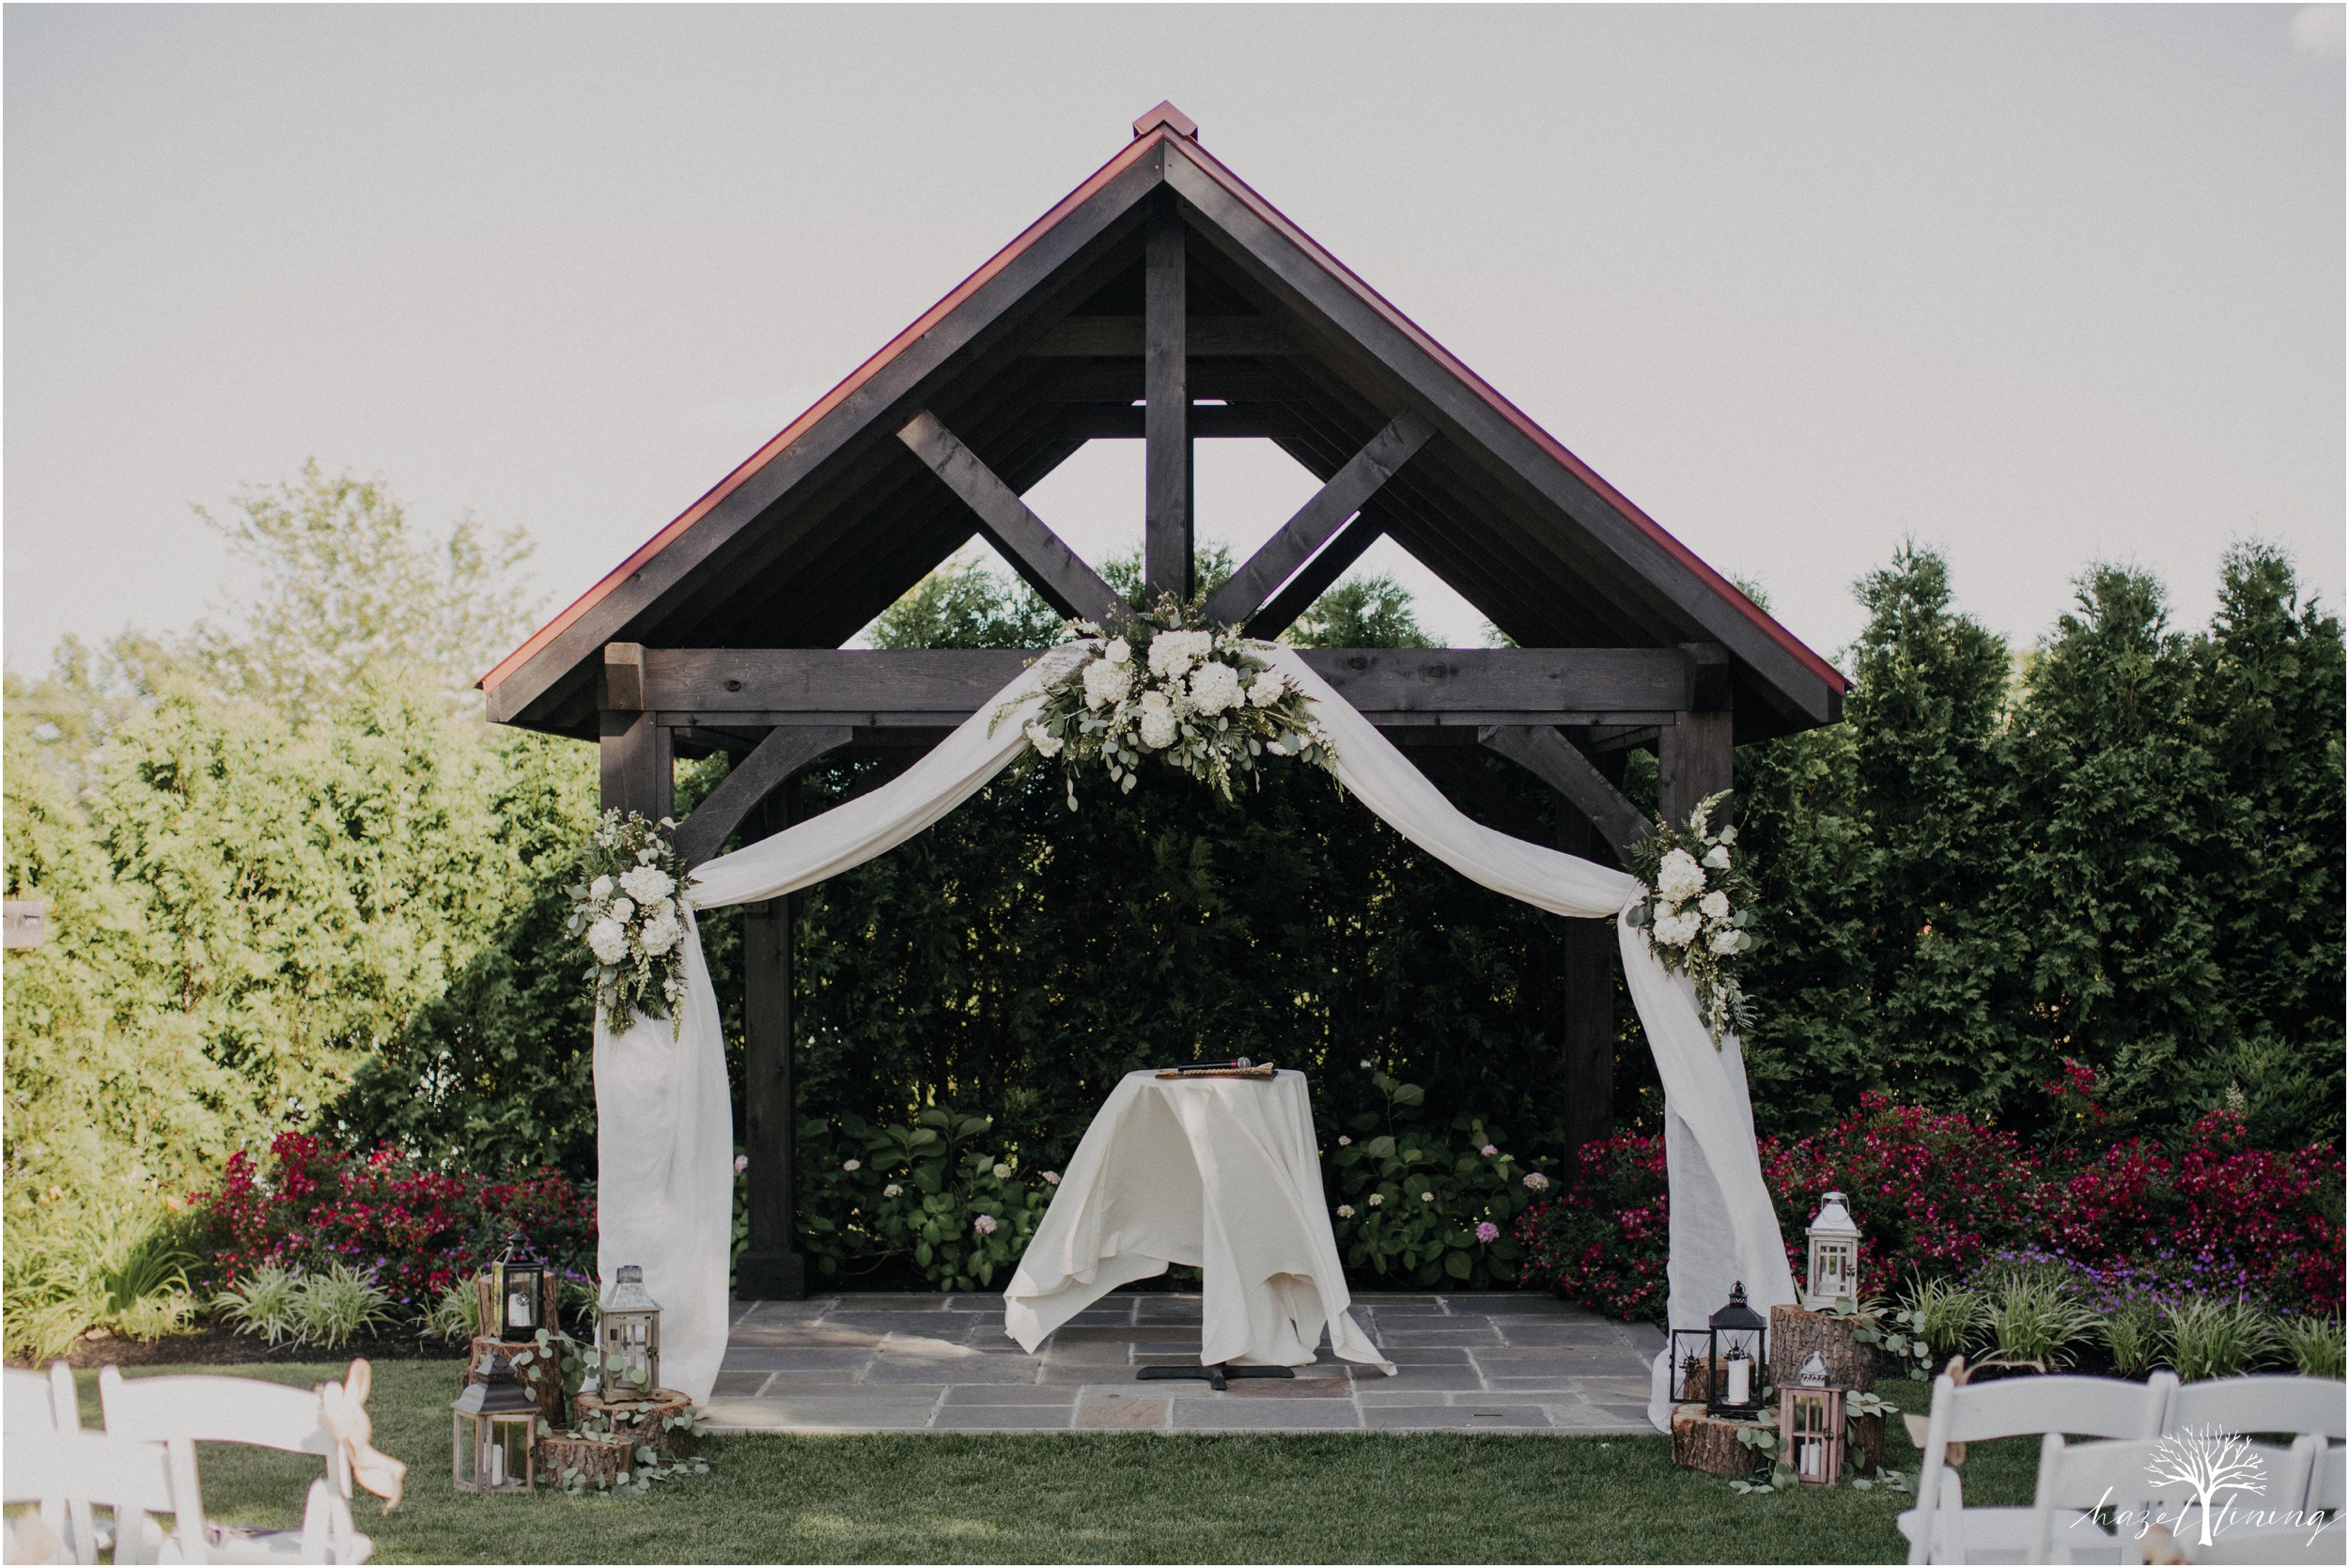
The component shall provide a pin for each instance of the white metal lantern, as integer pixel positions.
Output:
(1834, 1255)
(627, 1331)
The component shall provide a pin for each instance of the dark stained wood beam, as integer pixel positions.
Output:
(637, 770)
(1166, 459)
(1694, 758)
(1112, 422)
(1318, 519)
(1552, 758)
(1315, 580)
(771, 1267)
(1042, 557)
(718, 687)
(773, 762)
(1123, 336)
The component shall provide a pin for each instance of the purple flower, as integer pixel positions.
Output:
(1488, 1232)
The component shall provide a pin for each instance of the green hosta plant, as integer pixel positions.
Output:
(266, 1303)
(1430, 1206)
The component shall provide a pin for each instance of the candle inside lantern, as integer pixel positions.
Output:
(1740, 1380)
(518, 1309)
(497, 1464)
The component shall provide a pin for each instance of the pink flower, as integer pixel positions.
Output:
(984, 1225)
(1489, 1150)
(741, 1163)
(1488, 1232)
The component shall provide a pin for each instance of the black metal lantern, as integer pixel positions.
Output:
(1722, 1364)
(493, 1442)
(517, 1286)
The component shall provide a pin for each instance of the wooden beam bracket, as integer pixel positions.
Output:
(1041, 555)
(1345, 495)
(1552, 758)
(770, 764)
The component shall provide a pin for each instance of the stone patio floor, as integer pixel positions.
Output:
(942, 1363)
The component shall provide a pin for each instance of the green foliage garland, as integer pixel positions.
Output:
(1697, 914)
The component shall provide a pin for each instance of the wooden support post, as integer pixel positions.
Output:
(1166, 421)
(1587, 1037)
(772, 1269)
(637, 768)
(1692, 761)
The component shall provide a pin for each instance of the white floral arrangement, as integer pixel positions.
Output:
(1199, 698)
(630, 913)
(1699, 911)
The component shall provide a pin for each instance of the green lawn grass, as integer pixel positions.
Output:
(1117, 1498)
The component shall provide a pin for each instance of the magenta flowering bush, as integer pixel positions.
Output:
(1938, 1195)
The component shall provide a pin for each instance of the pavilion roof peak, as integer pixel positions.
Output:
(1170, 116)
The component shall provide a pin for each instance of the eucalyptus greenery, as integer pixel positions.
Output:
(629, 912)
(1699, 910)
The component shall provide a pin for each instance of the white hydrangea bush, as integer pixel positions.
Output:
(1699, 912)
(1199, 698)
(632, 915)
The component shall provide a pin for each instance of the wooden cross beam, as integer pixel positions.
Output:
(1067, 584)
(1316, 578)
(1245, 592)
(786, 749)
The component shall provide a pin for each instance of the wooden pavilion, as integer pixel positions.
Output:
(1161, 301)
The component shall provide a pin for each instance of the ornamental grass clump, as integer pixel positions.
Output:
(2314, 1344)
(337, 1304)
(2216, 1339)
(1942, 1313)
(2134, 1337)
(267, 1302)
(2035, 1322)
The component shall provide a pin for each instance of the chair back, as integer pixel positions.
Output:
(2123, 1475)
(135, 1479)
(2267, 1404)
(24, 1402)
(2019, 1408)
(2277, 1543)
(214, 1410)
(2328, 1476)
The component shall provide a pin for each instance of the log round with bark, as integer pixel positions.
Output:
(640, 1419)
(1708, 1443)
(597, 1460)
(1795, 1334)
(542, 1376)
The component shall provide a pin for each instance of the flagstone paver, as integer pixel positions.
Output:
(942, 1363)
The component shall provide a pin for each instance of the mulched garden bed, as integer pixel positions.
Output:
(217, 1346)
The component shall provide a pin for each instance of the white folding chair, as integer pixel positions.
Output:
(1941, 1528)
(2328, 1476)
(38, 1404)
(2267, 1404)
(135, 1479)
(2277, 1543)
(181, 1412)
(2076, 1479)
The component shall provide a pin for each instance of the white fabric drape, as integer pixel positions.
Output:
(664, 1138)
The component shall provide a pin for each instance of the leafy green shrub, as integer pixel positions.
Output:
(960, 1210)
(1429, 1205)
(267, 1301)
(2216, 1339)
(2314, 1344)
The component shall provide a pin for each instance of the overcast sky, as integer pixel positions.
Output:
(2039, 287)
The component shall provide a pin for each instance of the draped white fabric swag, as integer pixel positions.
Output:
(664, 1138)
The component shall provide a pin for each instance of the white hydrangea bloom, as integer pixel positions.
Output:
(1346, 1211)
(1047, 744)
(1714, 905)
(1536, 1182)
(1377, 1199)
(1677, 929)
(1107, 684)
(1173, 653)
(621, 910)
(1725, 942)
(1214, 687)
(893, 1191)
(608, 941)
(852, 1165)
(646, 884)
(1002, 1171)
(1679, 877)
(1158, 728)
(1270, 685)
(661, 932)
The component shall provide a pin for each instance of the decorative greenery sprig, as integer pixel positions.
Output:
(1201, 698)
(1699, 911)
(630, 914)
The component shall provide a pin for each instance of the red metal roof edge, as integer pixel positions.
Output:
(822, 406)
(1214, 169)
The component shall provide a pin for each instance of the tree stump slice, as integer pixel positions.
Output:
(1795, 1334)
(546, 1387)
(638, 1420)
(1708, 1443)
(597, 1460)
(1867, 1443)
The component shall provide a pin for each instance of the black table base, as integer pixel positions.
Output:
(1215, 1374)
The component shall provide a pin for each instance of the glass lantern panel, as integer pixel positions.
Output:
(509, 1453)
(466, 1453)
(522, 1299)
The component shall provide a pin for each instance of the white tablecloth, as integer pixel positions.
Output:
(1221, 1173)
